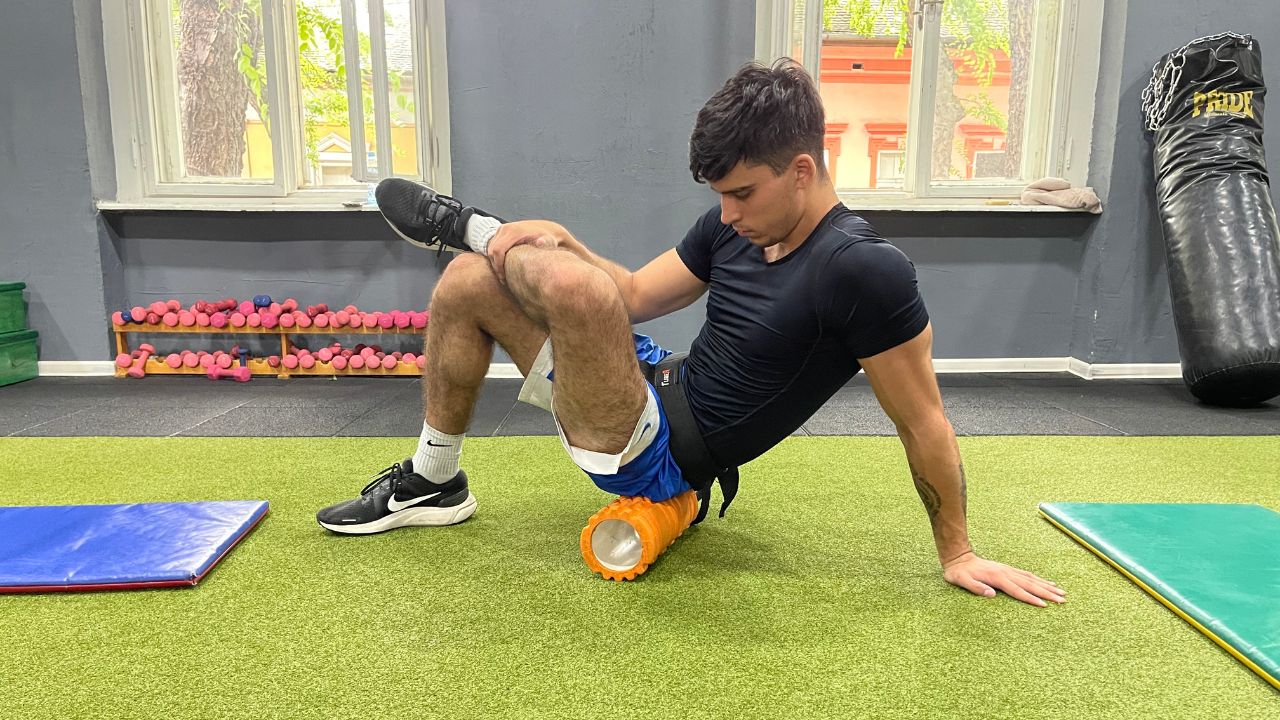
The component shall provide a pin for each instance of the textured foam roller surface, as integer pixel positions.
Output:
(1217, 566)
(117, 547)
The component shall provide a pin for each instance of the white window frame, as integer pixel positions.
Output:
(128, 32)
(1057, 145)
(880, 159)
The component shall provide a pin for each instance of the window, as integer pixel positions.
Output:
(889, 169)
(944, 100)
(288, 101)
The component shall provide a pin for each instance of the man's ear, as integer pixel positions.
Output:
(805, 169)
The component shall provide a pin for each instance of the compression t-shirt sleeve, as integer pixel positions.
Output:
(695, 249)
(875, 303)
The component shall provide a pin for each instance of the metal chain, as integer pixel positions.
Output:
(1158, 94)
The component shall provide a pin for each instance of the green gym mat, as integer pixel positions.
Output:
(1216, 566)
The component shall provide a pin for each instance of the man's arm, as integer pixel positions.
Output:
(660, 287)
(904, 382)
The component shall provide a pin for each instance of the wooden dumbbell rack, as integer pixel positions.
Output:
(259, 366)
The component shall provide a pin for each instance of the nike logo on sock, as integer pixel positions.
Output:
(437, 445)
(396, 506)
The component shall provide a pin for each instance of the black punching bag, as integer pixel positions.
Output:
(1204, 106)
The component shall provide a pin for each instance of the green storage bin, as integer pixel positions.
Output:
(13, 309)
(18, 357)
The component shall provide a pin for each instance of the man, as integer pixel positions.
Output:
(803, 294)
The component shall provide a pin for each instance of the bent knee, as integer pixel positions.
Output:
(466, 275)
(576, 284)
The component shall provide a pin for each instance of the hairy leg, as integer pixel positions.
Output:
(470, 311)
(599, 391)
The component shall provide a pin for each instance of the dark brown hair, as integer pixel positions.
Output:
(762, 115)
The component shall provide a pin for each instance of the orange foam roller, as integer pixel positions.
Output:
(622, 540)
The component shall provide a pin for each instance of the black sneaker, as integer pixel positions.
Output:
(399, 497)
(424, 217)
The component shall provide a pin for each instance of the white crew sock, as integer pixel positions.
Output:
(437, 455)
(479, 231)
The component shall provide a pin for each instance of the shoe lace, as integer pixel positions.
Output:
(428, 214)
(395, 474)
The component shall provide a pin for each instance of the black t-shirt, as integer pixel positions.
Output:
(780, 338)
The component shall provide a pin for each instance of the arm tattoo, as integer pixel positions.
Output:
(928, 495)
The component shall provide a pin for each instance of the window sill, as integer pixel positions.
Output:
(254, 205)
(952, 205)
(230, 205)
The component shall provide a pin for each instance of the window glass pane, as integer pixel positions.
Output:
(984, 73)
(215, 81)
(400, 79)
(865, 81)
(326, 118)
(326, 115)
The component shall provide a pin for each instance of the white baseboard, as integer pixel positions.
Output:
(1102, 371)
(503, 370)
(999, 365)
(76, 368)
(1097, 371)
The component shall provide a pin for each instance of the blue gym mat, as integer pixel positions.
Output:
(118, 547)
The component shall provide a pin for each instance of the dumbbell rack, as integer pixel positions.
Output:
(259, 366)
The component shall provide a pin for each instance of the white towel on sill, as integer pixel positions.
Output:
(1056, 191)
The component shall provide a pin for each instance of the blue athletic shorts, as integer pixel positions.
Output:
(653, 473)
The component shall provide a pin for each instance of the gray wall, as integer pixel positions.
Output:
(50, 237)
(1122, 311)
(580, 111)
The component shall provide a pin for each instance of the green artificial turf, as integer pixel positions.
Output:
(818, 596)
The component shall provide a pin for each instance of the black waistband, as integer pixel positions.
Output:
(687, 445)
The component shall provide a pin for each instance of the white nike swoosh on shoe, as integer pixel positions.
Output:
(395, 506)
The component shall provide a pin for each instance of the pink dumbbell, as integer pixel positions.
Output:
(306, 360)
(389, 362)
(190, 359)
(139, 367)
(339, 362)
(253, 320)
(290, 361)
(357, 362)
(418, 320)
(124, 360)
(239, 374)
(384, 320)
(173, 360)
(237, 319)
